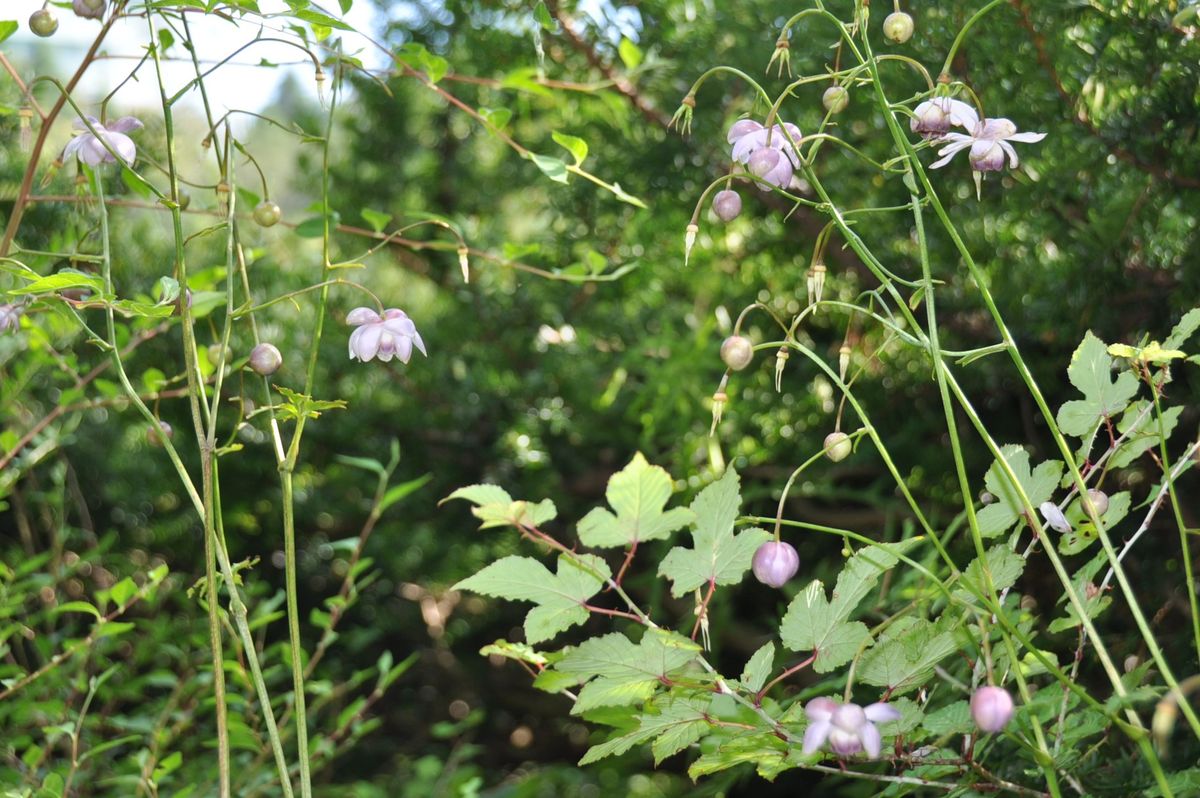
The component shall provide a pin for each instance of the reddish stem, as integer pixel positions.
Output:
(758, 697)
(625, 565)
(702, 613)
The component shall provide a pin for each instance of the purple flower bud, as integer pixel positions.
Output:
(385, 336)
(265, 359)
(1099, 500)
(727, 205)
(43, 22)
(775, 563)
(10, 318)
(89, 9)
(737, 352)
(991, 708)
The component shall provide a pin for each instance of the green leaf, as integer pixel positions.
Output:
(123, 591)
(316, 18)
(542, 15)
(814, 623)
(718, 555)
(314, 226)
(403, 490)
(1003, 564)
(759, 667)
(554, 168)
(378, 221)
(496, 117)
(616, 672)
(904, 656)
(299, 404)
(1091, 372)
(346, 5)
(631, 54)
(638, 493)
(951, 719)
(67, 278)
(168, 765)
(7, 28)
(77, 606)
(496, 508)
(1183, 330)
(421, 60)
(1143, 435)
(518, 651)
(679, 723)
(1038, 484)
(766, 751)
(559, 597)
(572, 144)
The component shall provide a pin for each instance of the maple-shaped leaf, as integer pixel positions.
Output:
(495, 507)
(905, 655)
(1038, 483)
(717, 555)
(679, 722)
(618, 672)
(560, 597)
(638, 493)
(816, 623)
(1091, 372)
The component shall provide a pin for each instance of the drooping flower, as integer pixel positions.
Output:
(987, 143)
(737, 351)
(392, 334)
(89, 9)
(10, 318)
(265, 359)
(1054, 517)
(727, 205)
(775, 563)
(848, 728)
(991, 709)
(765, 152)
(933, 118)
(88, 147)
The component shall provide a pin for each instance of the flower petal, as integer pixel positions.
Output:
(126, 124)
(820, 709)
(881, 712)
(1026, 138)
(815, 735)
(362, 316)
(370, 336)
(871, 739)
(399, 327)
(1013, 160)
(404, 347)
(950, 151)
(124, 146)
(416, 339)
(740, 128)
(961, 114)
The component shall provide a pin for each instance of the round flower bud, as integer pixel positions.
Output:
(1099, 500)
(737, 352)
(838, 446)
(898, 27)
(1131, 662)
(267, 213)
(156, 435)
(727, 205)
(89, 9)
(835, 99)
(214, 353)
(185, 199)
(775, 563)
(43, 22)
(991, 709)
(265, 359)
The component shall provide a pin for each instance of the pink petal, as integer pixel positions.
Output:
(126, 124)
(404, 347)
(1026, 138)
(820, 709)
(1013, 160)
(740, 128)
(387, 346)
(416, 339)
(399, 327)
(961, 114)
(362, 316)
(881, 712)
(124, 146)
(951, 150)
(871, 739)
(815, 735)
(369, 341)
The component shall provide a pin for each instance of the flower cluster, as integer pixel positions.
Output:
(90, 147)
(767, 153)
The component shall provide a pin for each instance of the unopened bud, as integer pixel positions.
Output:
(727, 205)
(843, 362)
(781, 359)
(838, 446)
(898, 27)
(1131, 662)
(986, 498)
(835, 99)
(991, 709)
(265, 359)
(689, 240)
(1098, 500)
(156, 435)
(737, 352)
(816, 283)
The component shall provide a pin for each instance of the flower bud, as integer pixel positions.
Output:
(898, 27)
(991, 709)
(265, 359)
(719, 399)
(781, 359)
(267, 213)
(1131, 662)
(727, 205)
(775, 563)
(1098, 499)
(838, 446)
(689, 240)
(464, 264)
(88, 9)
(43, 22)
(835, 99)
(843, 362)
(1054, 517)
(185, 297)
(156, 435)
(737, 352)
(816, 283)
(986, 498)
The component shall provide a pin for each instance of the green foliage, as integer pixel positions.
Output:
(624, 673)
(1104, 397)
(1035, 484)
(638, 494)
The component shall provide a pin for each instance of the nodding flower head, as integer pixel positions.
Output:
(987, 143)
(727, 205)
(933, 118)
(10, 318)
(385, 336)
(89, 9)
(847, 728)
(991, 709)
(90, 147)
(775, 563)
(765, 152)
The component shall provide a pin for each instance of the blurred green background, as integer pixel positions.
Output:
(548, 386)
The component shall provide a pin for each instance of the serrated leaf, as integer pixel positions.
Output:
(814, 623)
(1090, 372)
(766, 751)
(1143, 435)
(1038, 484)
(299, 404)
(67, 278)
(1003, 564)
(572, 144)
(951, 719)
(679, 723)
(559, 597)
(718, 554)
(496, 508)
(616, 672)
(638, 493)
(759, 667)
(904, 656)
(1183, 330)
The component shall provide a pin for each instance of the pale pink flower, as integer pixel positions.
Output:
(765, 152)
(391, 335)
(847, 728)
(88, 147)
(991, 709)
(933, 118)
(987, 143)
